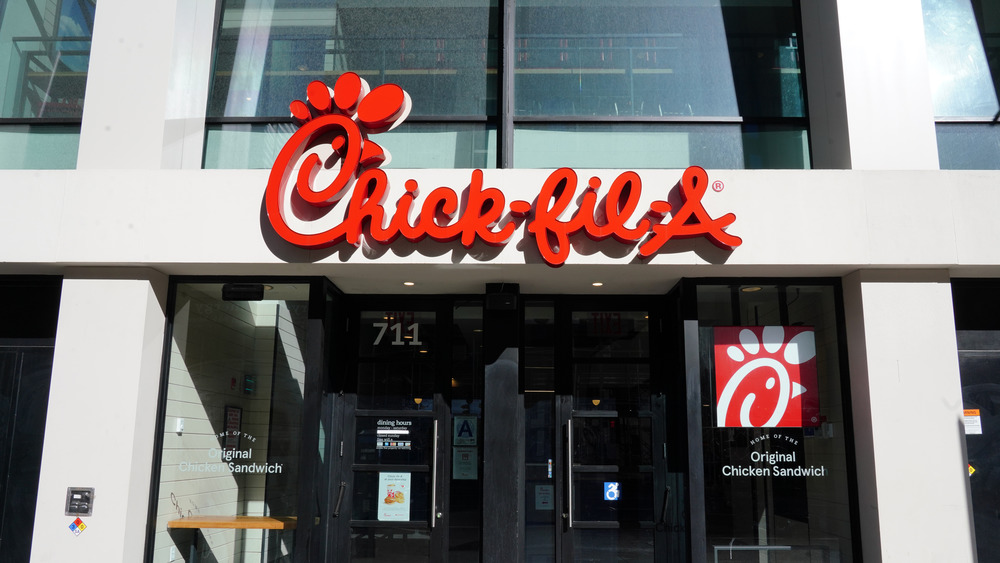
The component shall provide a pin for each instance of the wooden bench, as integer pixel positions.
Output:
(235, 522)
(196, 523)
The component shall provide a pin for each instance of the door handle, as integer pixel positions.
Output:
(434, 469)
(340, 499)
(569, 470)
(663, 511)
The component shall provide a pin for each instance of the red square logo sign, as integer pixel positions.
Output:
(765, 377)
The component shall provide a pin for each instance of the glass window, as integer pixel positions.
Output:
(963, 52)
(961, 83)
(687, 74)
(978, 334)
(39, 146)
(442, 53)
(773, 419)
(636, 145)
(27, 340)
(645, 58)
(44, 55)
(232, 428)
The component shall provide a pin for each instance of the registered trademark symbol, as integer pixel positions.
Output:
(718, 186)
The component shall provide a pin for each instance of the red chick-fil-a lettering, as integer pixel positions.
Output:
(343, 117)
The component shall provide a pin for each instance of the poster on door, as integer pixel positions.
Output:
(394, 497)
(464, 463)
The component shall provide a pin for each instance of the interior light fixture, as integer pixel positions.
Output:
(409, 284)
(597, 284)
(750, 288)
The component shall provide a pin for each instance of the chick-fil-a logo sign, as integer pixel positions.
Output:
(765, 376)
(333, 136)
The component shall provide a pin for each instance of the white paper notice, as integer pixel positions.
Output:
(973, 422)
(544, 497)
(464, 464)
(394, 497)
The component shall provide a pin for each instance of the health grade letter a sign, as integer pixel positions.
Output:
(765, 377)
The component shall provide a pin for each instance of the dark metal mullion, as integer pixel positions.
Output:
(696, 454)
(679, 120)
(376, 467)
(394, 412)
(505, 83)
(40, 121)
(312, 408)
(272, 119)
(412, 524)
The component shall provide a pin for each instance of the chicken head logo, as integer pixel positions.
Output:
(333, 136)
(766, 377)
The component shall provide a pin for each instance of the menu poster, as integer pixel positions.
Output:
(393, 497)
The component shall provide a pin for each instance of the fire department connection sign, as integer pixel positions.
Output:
(326, 188)
(766, 377)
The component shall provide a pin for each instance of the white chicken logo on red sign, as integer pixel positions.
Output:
(765, 377)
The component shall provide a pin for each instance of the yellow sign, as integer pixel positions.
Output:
(971, 470)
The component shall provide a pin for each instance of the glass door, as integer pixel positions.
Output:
(410, 434)
(615, 494)
(596, 444)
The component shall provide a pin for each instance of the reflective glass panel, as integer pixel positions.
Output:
(610, 334)
(631, 145)
(606, 440)
(396, 385)
(776, 147)
(44, 55)
(622, 388)
(442, 53)
(968, 146)
(411, 145)
(233, 420)
(978, 332)
(39, 146)
(653, 58)
(774, 491)
(613, 545)
(961, 82)
(763, 37)
(390, 544)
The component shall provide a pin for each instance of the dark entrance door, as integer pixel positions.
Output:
(614, 441)
(408, 483)
(595, 367)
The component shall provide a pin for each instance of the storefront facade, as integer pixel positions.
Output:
(588, 326)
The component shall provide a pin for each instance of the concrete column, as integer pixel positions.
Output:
(868, 85)
(101, 420)
(907, 406)
(126, 85)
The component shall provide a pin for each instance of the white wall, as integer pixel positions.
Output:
(907, 404)
(102, 414)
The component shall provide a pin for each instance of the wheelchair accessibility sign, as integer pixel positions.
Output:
(612, 490)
